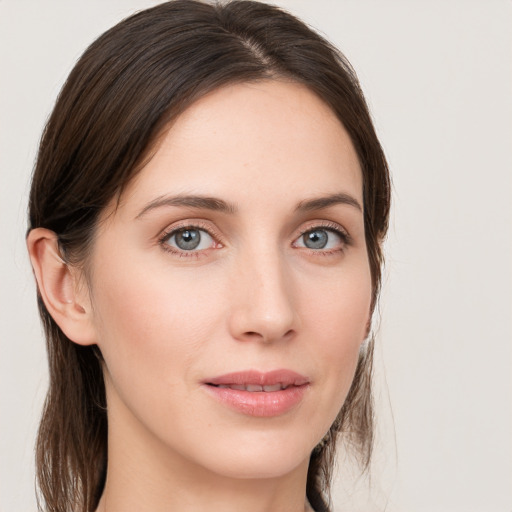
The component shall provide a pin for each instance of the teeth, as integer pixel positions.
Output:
(275, 387)
(254, 387)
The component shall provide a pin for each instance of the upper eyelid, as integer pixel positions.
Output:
(324, 225)
(192, 224)
(328, 225)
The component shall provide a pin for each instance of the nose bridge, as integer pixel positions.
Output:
(263, 305)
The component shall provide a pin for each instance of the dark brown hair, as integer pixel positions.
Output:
(128, 85)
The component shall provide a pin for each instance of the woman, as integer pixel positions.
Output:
(205, 227)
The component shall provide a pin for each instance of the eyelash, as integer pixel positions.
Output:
(333, 228)
(327, 226)
(169, 233)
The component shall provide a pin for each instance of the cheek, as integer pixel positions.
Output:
(339, 314)
(340, 308)
(148, 324)
(152, 329)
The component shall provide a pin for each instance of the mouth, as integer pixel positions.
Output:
(253, 388)
(254, 380)
(263, 394)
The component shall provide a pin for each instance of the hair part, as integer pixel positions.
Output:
(128, 86)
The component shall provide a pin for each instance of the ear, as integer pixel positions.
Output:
(63, 292)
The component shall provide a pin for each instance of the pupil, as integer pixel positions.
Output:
(188, 239)
(315, 239)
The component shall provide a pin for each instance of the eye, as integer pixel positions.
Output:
(322, 238)
(188, 239)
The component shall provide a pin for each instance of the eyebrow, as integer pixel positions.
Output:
(190, 201)
(326, 201)
(219, 205)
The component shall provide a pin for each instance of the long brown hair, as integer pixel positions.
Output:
(128, 85)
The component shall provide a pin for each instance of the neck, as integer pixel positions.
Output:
(250, 496)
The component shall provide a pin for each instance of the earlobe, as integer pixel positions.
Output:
(58, 285)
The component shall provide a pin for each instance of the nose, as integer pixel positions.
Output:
(263, 297)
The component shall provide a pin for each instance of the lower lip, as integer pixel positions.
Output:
(259, 403)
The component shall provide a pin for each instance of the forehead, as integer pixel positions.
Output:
(262, 138)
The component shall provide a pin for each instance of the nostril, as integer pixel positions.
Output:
(268, 336)
(253, 335)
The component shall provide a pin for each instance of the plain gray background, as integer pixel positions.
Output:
(438, 77)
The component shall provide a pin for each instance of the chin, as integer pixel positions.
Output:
(258, 455)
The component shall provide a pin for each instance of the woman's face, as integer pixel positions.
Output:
(235, 260)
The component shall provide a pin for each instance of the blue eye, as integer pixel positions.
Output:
(189, 239)
(321, 238)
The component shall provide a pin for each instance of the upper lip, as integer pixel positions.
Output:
(255, 377)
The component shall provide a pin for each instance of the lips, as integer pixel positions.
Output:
(283, 378)
(255, 393)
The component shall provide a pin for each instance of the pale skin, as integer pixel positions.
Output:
(254, 294)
